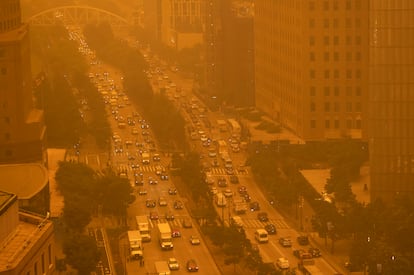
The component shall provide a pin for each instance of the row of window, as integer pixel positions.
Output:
(329, 56)
(10, 24)
(327, 74)
(336, 106)
(335, 40)
(335, 124)
(328, 91)
(335, 23)
(335, 5)
(40, 268)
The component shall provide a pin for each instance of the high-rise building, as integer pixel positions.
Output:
(311, 59)
(22, 130)
(391, 100)
(176, 23)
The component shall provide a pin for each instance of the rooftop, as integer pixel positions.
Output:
(24, 180)
(28, 232)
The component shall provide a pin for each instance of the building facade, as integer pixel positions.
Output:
(27, 241)
(391, 100)
(22, 130)
(311, 59)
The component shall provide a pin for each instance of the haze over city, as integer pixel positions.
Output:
(208, 136)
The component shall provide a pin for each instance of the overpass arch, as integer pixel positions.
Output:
(77, 15)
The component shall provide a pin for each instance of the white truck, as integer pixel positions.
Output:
(135, 244)
(143, 227)
(240, 206)
(161, 268)
(145, 158)
(164, 236)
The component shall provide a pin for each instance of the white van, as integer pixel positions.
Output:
(220, 200)
(261, 236)
(236, 221)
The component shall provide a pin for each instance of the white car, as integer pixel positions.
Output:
(173, 264)
(282, 263)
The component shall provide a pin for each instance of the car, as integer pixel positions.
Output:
(169, 216)
(254, 206)
(156, 157)
(162, 201)
(285, 242)
(150, 203)
(315, 252)
(178, 204)
(213, 190)
(164, 176)
(298, 253)
(153, 215)
(192, 265)
(242, 189)
(142, 191)
(173, 264)
(175, 233)
(270, 228)
(172, 191)
(234, 179)
(221, 182)
(303, 240)
(187, 223)
(262, 216)
(282, 263)
(228, 193)
(247, 198)
(194, 240)
(139, 182)
(152, 181)
(229, 171)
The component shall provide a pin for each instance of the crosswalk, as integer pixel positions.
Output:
(247, 223)
(255, 224)
(222, 171)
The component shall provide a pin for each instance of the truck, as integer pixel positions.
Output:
(235, 127)
(145, 158)
(135, 244)
(221, 147)
(164, 236)
(143, 227)
(161, 268)
(240, 206)
(222, 125)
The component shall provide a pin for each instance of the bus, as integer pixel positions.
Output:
(235, 127)
(221, 124)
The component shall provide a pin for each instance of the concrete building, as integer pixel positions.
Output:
(22, 130)
(311, 61)
(27, 243)
(229, 52)
(391, 100)
(176, 23)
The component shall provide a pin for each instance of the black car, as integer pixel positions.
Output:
(262, 216)
(234, 179)
(172, 191)
(192, 265)
(151, 203)
(315, 252)
(303, 240)
(254, 206)
(178, 204)
(270, 228)
(169, 216)
(221, 182)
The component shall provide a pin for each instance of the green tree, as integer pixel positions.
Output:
(81, 253)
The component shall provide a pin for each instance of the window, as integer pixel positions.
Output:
(312, 56)
(336, 91)
(327, 74)
(326, 5)
(311, 40)
(3, 71)
(336, 40)
(336, 74)
(326, 23)
(335, 5)
(358, 91)
(336, 56)
(327, 106)
(348, 23)
(348, 91)
(313, 124)
(336, 106)
(358, 106)
(7, 120)
(311, 5)
(326, 56)
(7, 136)
(349, 123)
(348, 4)
(312, 107)
(326, 91)
(336, 123)
(358, 40)
(348, 56)
(348, 40)
(358, 74)
(326, 40)
(312, 91)
(349, 74)
(312, 74)
(358, 124)
(358, 56)
(327, 124)
(335, 23)
(311, 23)
(348, 107)
(35, 268)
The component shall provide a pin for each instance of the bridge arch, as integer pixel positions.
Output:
(76, 15)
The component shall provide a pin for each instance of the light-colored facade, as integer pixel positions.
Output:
(311, 60)
(22, 131)
(182, 23)
(391, 84)
(27, 241)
